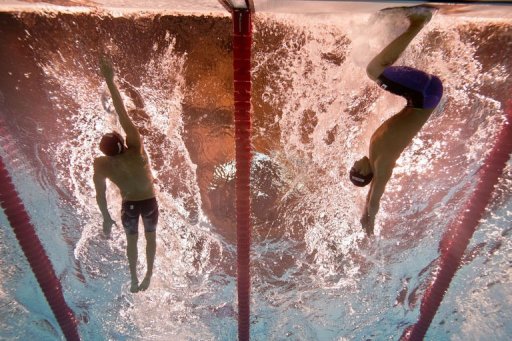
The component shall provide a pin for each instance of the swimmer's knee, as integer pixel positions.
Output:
(377, 66)
(374, 70)
(132, 237)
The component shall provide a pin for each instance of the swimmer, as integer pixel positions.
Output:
(422, 92)
(127, 166)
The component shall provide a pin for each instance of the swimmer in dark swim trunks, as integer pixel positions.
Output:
(146, 209)
(128, 168)
(422, 92)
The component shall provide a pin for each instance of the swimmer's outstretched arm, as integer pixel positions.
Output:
(377, 187)
(132, 134)
(101, 199)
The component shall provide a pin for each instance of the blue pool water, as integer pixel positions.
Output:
(315, 276)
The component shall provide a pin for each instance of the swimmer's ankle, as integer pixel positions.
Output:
(145, 282)
(149, 274)
(134, 287)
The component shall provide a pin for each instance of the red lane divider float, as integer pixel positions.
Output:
(454, 244)
(242, 40)
(34, 252)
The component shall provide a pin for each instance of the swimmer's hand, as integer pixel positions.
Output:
(367, 224)
(106, 68)
(107, 227)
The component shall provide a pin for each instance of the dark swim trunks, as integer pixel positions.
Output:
(147, 209)
(420, 89)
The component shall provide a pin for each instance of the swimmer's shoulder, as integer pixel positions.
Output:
(101, 164)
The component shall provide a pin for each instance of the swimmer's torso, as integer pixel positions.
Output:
(131, 173)
(395, 134)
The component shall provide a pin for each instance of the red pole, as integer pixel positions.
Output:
(242, 39)
(454, 244)
(36, 255)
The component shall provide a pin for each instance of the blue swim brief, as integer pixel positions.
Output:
(147, 209)
(420, 89)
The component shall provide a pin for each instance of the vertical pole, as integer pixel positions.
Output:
(242, 39)
(454, 244)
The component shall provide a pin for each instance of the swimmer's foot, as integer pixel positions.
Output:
(134, 287)
(418, 15)
(144, 285)
(368, 230)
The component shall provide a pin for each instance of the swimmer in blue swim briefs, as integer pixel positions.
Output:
(127, 166)
(422, 92)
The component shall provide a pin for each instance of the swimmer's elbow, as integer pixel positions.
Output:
(101, 199)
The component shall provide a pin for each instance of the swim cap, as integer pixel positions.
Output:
(112, 144)
(358, 179)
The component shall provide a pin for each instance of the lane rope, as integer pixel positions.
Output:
(242, 40)
(31, 246)
(459, 234)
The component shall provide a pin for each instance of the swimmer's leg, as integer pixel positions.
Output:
(150, 257)
(131, 252)
(417, 19)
